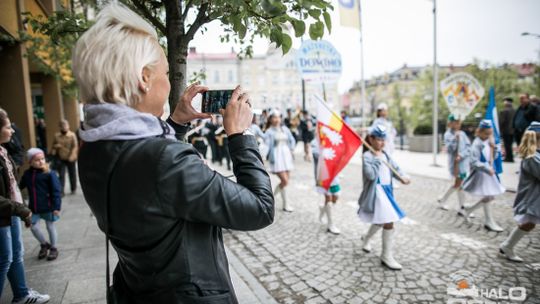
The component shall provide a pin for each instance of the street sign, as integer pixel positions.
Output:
(318, 61)
(462, 92)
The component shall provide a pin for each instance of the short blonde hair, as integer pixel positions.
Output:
(528, 145)
(109, 58)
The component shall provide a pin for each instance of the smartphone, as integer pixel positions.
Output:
(214, 100)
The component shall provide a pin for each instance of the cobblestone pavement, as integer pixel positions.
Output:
(299, 262)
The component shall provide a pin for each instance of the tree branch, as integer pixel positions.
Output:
(186, 9)
(201, 19)
(139, 5)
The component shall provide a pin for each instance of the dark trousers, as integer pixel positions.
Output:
(508, 140)
(214, 148)
(223, 152)
(62, 165)
(518, 135)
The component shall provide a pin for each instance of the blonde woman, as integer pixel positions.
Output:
(527, 202)
(160, 205)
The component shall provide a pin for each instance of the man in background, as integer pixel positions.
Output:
(506, 117)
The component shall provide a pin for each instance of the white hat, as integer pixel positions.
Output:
(33, 152)
(382, 106)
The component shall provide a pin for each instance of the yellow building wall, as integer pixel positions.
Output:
(33, 7)
(8, 17)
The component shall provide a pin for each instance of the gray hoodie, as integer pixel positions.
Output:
(109, 121)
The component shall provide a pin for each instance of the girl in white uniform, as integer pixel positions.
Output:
(377, 203)
(483, 180)
(527, 203)
(280, 142)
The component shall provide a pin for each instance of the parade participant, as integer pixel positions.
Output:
(483, 181)
(306, 127)
(527, 202)
(382, 119)
(222, 145)
(280, 144)
(11, 211)
(377, 204)
(44, 193)
(458, 147)
(330, 196)
(159, 204)
(198, 139)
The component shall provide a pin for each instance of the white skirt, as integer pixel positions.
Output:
(283, 160)
(527, 218)
(386, 209)
(482, 184)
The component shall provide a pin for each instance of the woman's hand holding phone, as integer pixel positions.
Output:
(184, 111)
(237, 115)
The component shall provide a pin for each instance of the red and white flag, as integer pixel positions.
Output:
(337, 144)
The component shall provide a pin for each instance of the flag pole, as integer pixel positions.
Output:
(398, 176)
(362, 82)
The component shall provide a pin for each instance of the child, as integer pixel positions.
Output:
(527, 203)
(458, 148)
(377, 203)
(330, 196)
(483, 180)
(44, 192)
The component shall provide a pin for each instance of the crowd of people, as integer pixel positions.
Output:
(167, 227)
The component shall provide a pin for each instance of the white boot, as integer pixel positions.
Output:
(331, 227)
(467, 211)
(322, 212)
(387, 257)
(277, 190)
(286, 207)
(507, 247)
(489, 222)
(461, 202)
(442, 199)
(366, 245)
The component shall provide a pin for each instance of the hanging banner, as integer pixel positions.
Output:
(462, 92)
(318, 61)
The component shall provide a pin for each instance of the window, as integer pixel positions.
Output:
(231, 76)
(216, 77)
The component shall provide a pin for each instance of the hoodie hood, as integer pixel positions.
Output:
(108, 121)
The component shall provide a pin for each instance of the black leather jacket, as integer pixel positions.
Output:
(167, 209)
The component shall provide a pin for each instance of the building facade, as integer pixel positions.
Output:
(25, 92)
(272, 79)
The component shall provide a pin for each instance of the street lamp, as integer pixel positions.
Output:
(534, 35)
(435, 87)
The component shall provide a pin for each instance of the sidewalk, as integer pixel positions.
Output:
(417, 163)
(78, 275)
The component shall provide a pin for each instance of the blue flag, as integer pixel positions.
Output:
(491, 114)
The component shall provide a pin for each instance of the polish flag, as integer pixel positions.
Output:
(337, 144)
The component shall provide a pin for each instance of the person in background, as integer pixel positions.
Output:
(222, 144)
(523, 117)
(212, 126)
(527, 202)
(307, 129)
(41, 133)
(345, 116)
(65, 149)
(382, 119)
(11, 212)
(535, 100)
(197, 138)
(506, 117)
(44, 193)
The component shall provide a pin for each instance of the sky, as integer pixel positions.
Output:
(398, 32)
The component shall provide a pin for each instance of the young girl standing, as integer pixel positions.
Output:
(483, 180)
(458, 147)
(44, 192)
(280, 143)
(527, 203)
(377, 203)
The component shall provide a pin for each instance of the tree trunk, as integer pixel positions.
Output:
(176, 50)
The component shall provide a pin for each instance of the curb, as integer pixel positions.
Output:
(257, 289)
